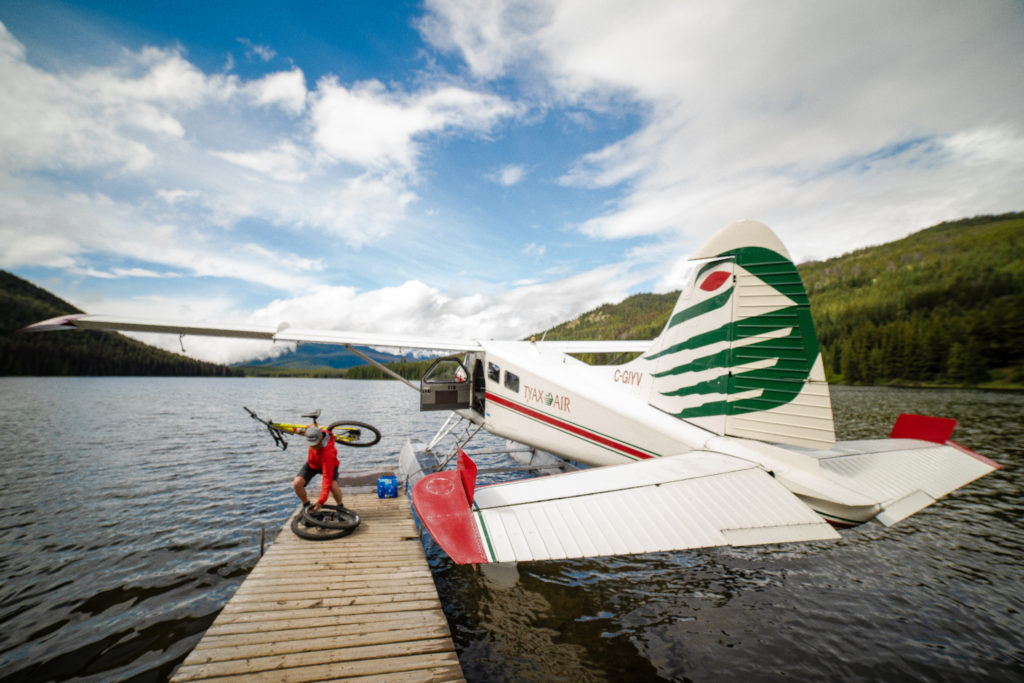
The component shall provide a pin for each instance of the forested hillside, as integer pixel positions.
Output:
(944, 305)
(79, 352)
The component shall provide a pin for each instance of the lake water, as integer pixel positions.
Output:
(133, 509)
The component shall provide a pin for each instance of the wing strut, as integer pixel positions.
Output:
(381, 367)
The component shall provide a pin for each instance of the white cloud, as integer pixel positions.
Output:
(261, 52)
(41, 228)
(534, 250)
(286, 89)
(175, 196)
(100, 117)
(508, 175)
(372, 127)
(284, 161)
(152, 126)
(820, 118)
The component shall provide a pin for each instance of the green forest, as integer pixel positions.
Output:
(81, 352)
(943, 306)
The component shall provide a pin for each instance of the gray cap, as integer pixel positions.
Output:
(313, 435)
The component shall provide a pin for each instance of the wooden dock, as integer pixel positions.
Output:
(361, 607)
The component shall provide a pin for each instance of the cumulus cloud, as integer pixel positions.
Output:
(285, 89)
(150, 125)
(370, 126)
(805, 115)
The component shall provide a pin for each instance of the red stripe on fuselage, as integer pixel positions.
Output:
(566, 426)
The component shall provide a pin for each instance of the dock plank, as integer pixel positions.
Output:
(363, 607)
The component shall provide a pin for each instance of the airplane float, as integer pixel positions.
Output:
(719, 433)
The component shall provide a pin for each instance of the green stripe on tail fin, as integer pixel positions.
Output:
(739, 355)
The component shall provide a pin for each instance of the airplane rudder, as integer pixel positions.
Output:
(741, 341)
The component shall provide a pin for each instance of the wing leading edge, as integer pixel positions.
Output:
(693, 500)
(284, 333)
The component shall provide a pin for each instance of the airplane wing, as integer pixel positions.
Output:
(693, 500)
(281, 333)
(284, 333)
(909, 471)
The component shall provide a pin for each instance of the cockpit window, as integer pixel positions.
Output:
(512, 381)
(493, 372)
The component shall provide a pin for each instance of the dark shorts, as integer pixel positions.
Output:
(307, 473)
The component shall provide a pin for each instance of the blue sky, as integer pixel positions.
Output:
(478, 168)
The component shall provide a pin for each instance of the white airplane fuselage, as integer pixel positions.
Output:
(599, 415)
(554, 402)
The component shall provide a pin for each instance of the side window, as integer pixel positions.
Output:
(493, 372)
(512, 381)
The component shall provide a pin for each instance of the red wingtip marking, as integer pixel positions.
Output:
(714, 280)
(443, 501)
(923, 427)
(977, 456)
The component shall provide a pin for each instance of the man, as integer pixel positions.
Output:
(322, 460)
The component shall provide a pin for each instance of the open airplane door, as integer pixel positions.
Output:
(445, 386)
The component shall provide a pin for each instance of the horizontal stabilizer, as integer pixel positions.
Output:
(904, 475)
(694, 500)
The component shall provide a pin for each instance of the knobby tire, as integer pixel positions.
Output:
(320, 527)
(358, 426)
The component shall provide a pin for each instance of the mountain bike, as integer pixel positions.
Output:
(344, 432)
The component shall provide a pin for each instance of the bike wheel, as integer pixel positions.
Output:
(331, 517)
(356, 434)
(316, 533)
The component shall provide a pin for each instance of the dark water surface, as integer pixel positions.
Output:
(133, 509)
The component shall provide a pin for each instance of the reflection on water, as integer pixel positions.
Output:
(133, 509)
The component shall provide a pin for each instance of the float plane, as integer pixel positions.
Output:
(719, 433)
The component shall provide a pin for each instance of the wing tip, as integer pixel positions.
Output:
(61, 322)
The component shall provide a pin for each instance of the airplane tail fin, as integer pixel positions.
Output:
(739, 355)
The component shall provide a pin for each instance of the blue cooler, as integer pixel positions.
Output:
(387, 487)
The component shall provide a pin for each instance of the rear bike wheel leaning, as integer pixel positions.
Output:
(352, 433)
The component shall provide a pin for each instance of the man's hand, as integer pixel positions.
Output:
(316, 507)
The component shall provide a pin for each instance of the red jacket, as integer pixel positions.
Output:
(326, 460)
